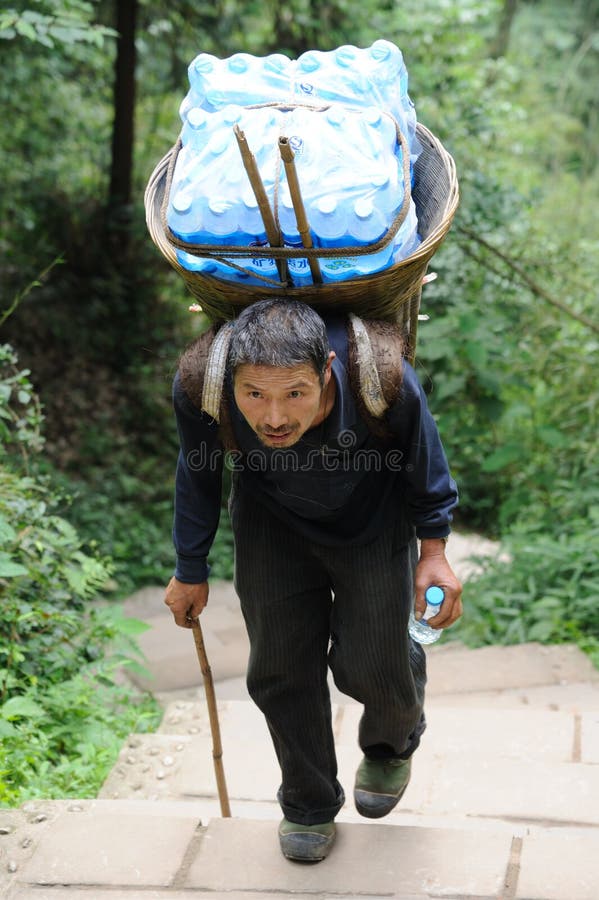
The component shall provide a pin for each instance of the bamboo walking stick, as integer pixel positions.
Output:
(217, 749)
(303, 227)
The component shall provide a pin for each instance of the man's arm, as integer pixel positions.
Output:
(431, 496)
(198, 488)
(431, 493)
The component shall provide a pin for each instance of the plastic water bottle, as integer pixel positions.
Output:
(183, 215)
(197, 171)
(384, 138)
(197, 263)
(251, 225)
(332, 76)
(242, 78)
(205, 266)
(364, 225)
(417, 628)
(196, 130)
(328, 222)
(367, 226)
(389, 76)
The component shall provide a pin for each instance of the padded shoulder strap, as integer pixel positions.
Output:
(202, 369)
(192, 366)
(376, 353)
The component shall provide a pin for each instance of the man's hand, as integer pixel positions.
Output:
(186, 601)
(433, 568)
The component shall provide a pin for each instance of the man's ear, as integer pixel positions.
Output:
(328, 364)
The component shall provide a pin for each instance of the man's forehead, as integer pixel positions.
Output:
(303, 375)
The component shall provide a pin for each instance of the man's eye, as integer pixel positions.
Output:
(255, 395)
(295, 394)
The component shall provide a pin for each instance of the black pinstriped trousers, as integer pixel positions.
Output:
(306, 606)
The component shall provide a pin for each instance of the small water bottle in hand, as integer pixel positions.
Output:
(419, 629)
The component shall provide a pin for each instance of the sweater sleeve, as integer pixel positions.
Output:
(430, 490)
(198, 488)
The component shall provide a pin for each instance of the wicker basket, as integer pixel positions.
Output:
(392, 294)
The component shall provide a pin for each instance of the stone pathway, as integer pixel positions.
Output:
(502, 803)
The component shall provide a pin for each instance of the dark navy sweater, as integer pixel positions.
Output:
(339, 484)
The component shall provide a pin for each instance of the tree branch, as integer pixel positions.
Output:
(537, 289)
(5, 313)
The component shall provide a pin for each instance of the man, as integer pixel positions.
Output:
(325, 508)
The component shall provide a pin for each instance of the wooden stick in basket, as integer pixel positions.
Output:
(303, 226)
(270, 226)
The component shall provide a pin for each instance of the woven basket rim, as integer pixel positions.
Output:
(238, 295)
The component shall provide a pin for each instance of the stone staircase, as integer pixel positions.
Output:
(503, 801)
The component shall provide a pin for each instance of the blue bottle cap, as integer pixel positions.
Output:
(434, 595)
(363, 207)
(239, 63)
(204, 63)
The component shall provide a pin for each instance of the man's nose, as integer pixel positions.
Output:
(276, 416)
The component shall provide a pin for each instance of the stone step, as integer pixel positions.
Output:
(117, 849)
(173, 667)
(452, 668)
(528, 765)
(573, 697)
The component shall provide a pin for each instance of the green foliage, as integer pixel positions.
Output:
(52, 22)
(125, 512)
(547, 591)
(64, 708)
(20, 411)
(61, 738)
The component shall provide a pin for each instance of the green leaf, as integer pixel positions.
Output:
(76, 580)
(6, 729)
(18, 707)
(7, 19)
(10, 569)
(130, 626)
(7, 532)
(541, 631)
(26, 29)
(552, 437)
(501, 458)
(476, 353)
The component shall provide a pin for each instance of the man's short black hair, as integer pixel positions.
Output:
(279, 332)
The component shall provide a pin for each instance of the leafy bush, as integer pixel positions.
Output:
(547, 592)
(64, 706)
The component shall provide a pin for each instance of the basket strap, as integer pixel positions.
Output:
(214, 377)
(371, 391)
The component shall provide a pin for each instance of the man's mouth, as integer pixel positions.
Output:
(277, 437)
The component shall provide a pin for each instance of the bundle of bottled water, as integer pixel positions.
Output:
(340, 111)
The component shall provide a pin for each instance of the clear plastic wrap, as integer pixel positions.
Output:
(339, 110)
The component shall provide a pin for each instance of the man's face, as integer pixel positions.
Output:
(280, 404)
